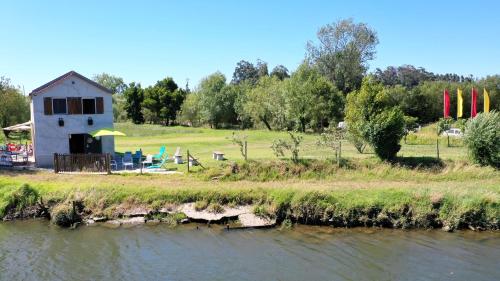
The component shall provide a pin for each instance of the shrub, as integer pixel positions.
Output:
(482, 139)
(372, 115)
(331, 138)
(444, 124)
(384, 132)
(25, 196)
(64, 215)
(240, 140)
(215, 208)
(356, 140)
(279, 146)
(200, 205)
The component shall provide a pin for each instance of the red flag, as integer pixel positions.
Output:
(446, 103)
(473, 104)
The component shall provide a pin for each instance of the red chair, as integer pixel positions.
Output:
(11, 147)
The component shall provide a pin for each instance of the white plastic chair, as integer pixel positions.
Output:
(148, 161)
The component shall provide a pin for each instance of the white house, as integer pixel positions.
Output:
(63, 113)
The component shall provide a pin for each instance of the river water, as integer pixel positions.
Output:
(40, 251)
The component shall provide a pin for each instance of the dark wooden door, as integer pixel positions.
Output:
(77, 144)
(92, 145)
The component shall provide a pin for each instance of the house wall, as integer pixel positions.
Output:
(50, 138)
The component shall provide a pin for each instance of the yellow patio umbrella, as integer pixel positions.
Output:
(106, 132)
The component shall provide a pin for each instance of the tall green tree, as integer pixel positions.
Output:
(190, 112)
(266, 103)
(313, 101)
(217, 101)
(112, 82)
(280, 72)
(245, 71)
(262, 68)
(248, 72)
(242, 90)
(14, 106)
(117, 86)
(343, 51)
(134, 97)
(153, 104)
(162, 101)
(412, 102)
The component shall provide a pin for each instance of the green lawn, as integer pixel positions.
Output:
(202, 141)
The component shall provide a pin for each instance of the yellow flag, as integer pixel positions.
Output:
(486, 101)
(460, 103)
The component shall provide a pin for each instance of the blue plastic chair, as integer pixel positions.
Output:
(127, 160)
(137, 157)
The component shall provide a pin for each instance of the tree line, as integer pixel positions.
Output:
(311, 98)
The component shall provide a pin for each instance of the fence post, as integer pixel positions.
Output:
(437, 147)
(246, 150)
(56, 169)
(108, 163)
(340, 153)
(140, 160)
(188, 160)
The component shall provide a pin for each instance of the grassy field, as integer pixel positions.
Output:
(202, 141)
(419, 191)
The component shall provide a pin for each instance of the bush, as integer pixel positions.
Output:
(279, 146)
(373, 115)
(384, 132)
(64, 215)
(482, 139)
(215, 208)
(22, 198)
(356, 140)
(200, 205)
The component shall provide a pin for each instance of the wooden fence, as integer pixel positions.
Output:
(83, 163)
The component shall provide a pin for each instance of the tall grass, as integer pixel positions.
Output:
(454, 196)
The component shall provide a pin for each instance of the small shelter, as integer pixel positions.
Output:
(23, 127)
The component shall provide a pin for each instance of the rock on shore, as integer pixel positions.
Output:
(244, 214)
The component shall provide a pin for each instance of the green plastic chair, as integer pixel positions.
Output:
(159, 165)
(159, 156)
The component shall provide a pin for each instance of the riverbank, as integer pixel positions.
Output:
(453, 196)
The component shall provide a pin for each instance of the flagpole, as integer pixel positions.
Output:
(471, 101)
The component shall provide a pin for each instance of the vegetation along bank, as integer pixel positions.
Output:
(366, 193)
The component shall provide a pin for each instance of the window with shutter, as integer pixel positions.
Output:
(88, 106)
(99, 104)
(59, 106)
(74, 105)
(47, 106)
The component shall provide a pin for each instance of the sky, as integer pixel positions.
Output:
(145, 41)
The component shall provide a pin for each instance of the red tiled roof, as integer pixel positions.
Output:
(64, 76)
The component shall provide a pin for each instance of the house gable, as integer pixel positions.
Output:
(60, 79)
